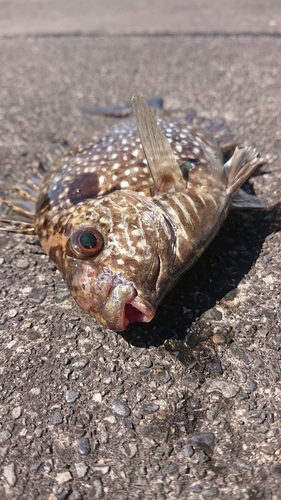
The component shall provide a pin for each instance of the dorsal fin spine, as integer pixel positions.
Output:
(161, 160)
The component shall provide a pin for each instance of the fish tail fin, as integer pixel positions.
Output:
(238, 168)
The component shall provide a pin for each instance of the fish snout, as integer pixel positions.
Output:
(124, 306)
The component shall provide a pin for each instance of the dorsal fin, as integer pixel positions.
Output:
(161, 160)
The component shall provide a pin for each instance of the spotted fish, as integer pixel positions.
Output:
(126, 213)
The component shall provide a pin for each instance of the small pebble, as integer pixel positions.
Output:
(210, 492)
(188, 450)
(231, 295)
(71, 396)
(12, 313)
(203, 457)
(214, 365)
(63, 477)
(57, 418)
(67, 372)
(265, 382)
(9, 473)
(218, 339)
(211, 414)
(140, 415)
(172, 469)
(84, 446)
(61, 296)
(97, 491)
(263, 332)
(35, 391)
(140, 396)
(136, 352)
(22, 264)
(202, 438)
(4, 436)
(80, 363)
(251, 384)
(34, 466)
(16, 412)
(110, 419)
(131, 449)
(268, 450)
(97, 398)
(38, 296)
(197, 488)
(228, 389)
(81, 469)
(100, 469)
(119, 408)
(150, 408)
(258, 363)
(128, 424)
(141, 481)
(212, 314)
(163, 377)
(147, 363)
(76, 495)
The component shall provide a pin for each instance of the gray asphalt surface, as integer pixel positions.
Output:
(189, 405)
(109, 17)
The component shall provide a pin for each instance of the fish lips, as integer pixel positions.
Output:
(124, 306)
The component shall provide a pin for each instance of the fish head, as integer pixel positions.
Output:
(116, 258)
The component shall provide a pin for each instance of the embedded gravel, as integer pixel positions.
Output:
(189, 405)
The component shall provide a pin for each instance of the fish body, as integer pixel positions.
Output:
(124, 214)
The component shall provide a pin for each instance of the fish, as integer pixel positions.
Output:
(125, 213)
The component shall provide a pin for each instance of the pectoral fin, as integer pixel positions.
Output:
(240, 166)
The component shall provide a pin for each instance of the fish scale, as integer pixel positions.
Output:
(125, 213)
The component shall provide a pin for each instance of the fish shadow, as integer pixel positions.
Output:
(215, 276)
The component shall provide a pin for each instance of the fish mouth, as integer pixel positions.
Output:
(124, 306)
(135, 310)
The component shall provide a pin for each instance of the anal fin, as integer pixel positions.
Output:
(241, 200)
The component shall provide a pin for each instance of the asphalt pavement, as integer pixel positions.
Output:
(187, 406)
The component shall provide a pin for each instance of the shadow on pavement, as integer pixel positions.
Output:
(214, 277)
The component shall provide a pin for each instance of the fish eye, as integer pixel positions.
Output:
(84, 243)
